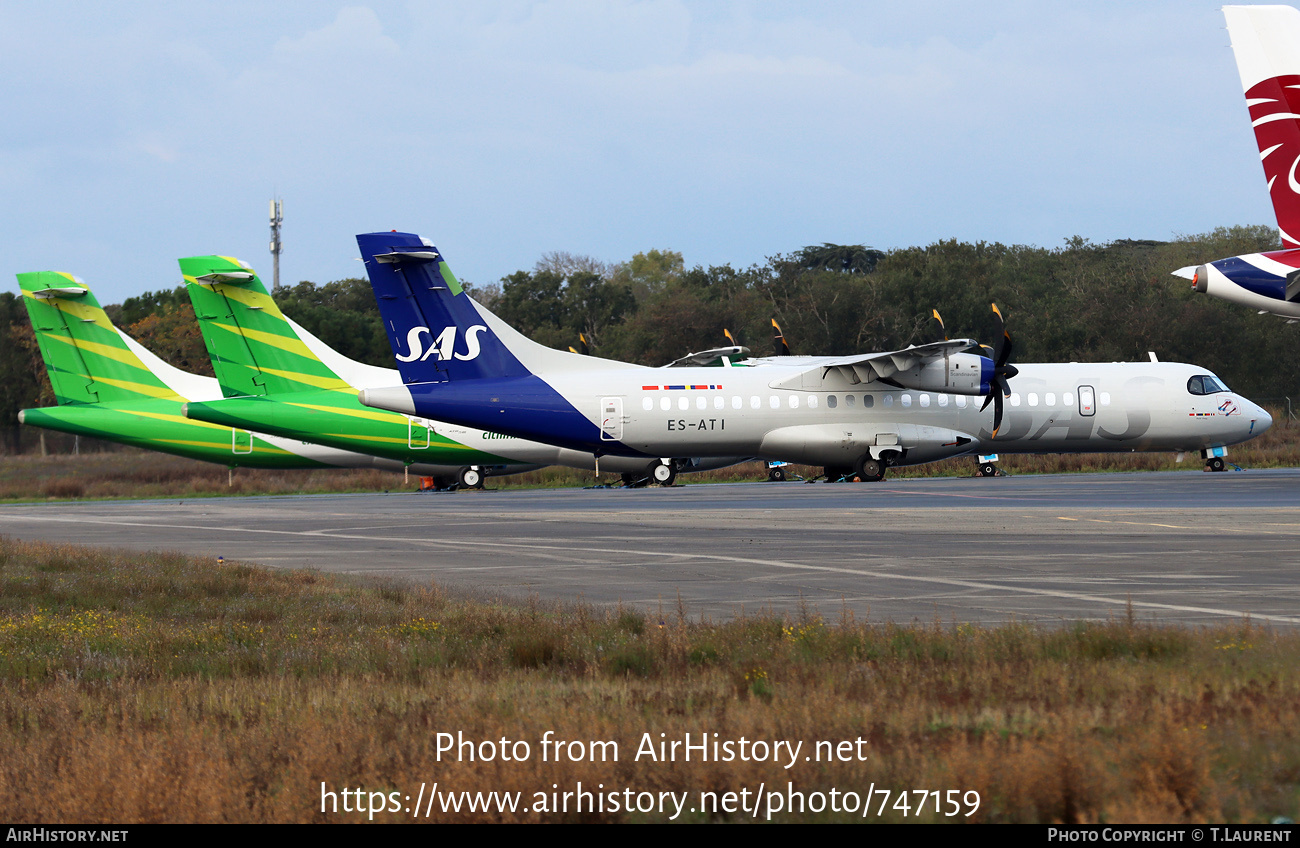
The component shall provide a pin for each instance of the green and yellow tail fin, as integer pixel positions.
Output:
(254, 348)
(87, 359)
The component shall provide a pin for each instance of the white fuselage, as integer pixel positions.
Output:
(795, 413)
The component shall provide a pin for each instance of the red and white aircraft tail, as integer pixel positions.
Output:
(1266, 41)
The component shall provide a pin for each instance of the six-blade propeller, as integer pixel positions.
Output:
(1002, 371)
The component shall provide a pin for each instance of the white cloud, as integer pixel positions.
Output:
(355, 35)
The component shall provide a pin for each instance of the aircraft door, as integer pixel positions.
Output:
(241, 441)
(1087, 401)
(611, 419)
(418, 434)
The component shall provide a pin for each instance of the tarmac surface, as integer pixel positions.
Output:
(1179, 547)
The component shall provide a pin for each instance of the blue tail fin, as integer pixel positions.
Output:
(435, 329)
(438, 333)
(458, 360)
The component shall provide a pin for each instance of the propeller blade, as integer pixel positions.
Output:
(939, 318)
(1003, 353)
(731, 339)
(782, 349)
(1002, 372)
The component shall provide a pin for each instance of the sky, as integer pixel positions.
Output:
(137, 133)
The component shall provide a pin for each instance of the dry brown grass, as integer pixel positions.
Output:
(133, 473)
(160, 688)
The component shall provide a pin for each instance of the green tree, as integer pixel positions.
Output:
(845, 258)
(134, 309)
(172, 333)
(343, 315)
(534, 304)
(649, 272)
(19, 384)
(594, 304)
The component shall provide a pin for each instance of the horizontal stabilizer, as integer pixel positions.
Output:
(400, 256)
(70, 291)
(225, 277)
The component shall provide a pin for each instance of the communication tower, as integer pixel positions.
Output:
(277, 218)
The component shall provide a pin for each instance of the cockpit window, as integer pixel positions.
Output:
(1205, 384)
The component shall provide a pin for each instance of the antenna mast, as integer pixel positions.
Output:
(277, 218)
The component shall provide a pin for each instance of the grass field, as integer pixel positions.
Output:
(148, 687)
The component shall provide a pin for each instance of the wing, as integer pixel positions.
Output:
(882, 367)
(708, 357)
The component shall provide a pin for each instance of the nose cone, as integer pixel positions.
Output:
(1261, 420)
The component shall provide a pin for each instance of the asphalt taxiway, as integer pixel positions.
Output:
(1185, 547)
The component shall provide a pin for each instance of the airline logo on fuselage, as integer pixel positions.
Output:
(442, 346)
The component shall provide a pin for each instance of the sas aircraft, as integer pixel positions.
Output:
(110, 387)
(1266, 43)
(279, 378)
(460, 363)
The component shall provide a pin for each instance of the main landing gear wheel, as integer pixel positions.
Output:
(987, 469)
(871, 470)
(663, 473)
(470, 478)
(1216, 463)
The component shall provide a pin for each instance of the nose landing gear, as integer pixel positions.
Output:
(1214, 459)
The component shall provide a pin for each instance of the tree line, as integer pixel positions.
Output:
(1079, 302)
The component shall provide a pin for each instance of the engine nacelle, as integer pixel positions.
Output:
(1201, 279)
(958, 374)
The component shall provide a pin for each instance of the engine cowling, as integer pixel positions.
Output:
(1200, 280)
(958, 374)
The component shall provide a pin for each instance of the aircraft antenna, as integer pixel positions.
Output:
(277, 218)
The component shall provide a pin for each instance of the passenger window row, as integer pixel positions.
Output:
(702, 403)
